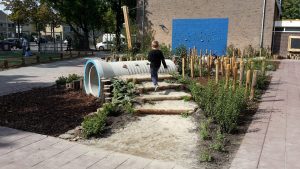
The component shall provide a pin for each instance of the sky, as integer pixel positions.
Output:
(2, 7)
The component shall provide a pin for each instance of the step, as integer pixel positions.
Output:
(148, 86)
(144, 77)
(164, 95)
(167, 107)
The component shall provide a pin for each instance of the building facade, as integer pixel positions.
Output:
(7, 27)
(251, 22)
(283, 30)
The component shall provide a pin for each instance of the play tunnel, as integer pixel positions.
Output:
(97, 69)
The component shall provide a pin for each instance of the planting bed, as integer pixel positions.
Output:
(47, 111)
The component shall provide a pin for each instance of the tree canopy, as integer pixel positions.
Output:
(290, 9)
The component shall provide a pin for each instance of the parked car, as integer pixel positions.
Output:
(108, 45)
(5, 45)
(15, 42)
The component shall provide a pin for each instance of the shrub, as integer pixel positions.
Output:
(72, 77)
(61, 80)
(205, 156)
(204, 129)
(219, 140)
(123, 94)
(94, 125)
(166, 50)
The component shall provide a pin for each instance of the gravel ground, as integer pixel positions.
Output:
(163, 137)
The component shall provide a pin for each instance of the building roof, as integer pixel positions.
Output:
(3, 17)
(287, 23)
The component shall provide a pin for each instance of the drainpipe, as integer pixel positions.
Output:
(262, 25)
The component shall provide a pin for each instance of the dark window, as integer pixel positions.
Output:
(293, 29)
(295, 43)
(279, 29)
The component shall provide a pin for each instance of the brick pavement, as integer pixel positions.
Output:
(23, 150)
(272, 140)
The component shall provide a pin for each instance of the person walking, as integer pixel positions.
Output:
(156, 57)
(24, 46)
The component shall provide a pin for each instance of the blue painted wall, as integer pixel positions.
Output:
(204, 34)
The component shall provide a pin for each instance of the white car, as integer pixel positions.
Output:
(105, 45)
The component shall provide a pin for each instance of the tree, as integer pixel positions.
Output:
(116, 7)
(19, 11)
(81, 16)
(291, 9)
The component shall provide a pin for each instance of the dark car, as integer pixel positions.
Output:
(5, 45)
(14, 42)
(41, 40)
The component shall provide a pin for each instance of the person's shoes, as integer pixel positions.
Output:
(156, 87)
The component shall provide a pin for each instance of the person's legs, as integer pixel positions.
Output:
(153, 76)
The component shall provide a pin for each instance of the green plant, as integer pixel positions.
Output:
(205, 129)
(185, 114)
(166, 50)
(123, 94)
(205, 156)
(72, 77)
(219, 142)
(94, 125)
(186, 98)
(61, 80)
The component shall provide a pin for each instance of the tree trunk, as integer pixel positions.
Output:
(86, 44)
(118, 24)
(94, 39)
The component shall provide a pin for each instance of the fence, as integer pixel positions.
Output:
(13, 61)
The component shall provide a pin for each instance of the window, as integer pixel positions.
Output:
(293, 29)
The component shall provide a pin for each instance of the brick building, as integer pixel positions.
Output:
(245, 18)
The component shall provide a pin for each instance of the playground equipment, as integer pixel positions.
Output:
(96, 70)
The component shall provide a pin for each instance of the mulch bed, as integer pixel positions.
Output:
(48, 111)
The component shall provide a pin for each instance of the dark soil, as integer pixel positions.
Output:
(48, 111)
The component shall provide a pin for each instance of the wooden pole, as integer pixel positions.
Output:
(217, 71)
(227, 75)
(235, 70)
(200, 63)
(263, 67)
(192, 64)
(208, 66)
(241, 73)
(183, 64)
(248, 78)
(253, 85)
(126, 19)
(222, 66)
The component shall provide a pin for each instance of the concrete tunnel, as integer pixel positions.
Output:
(96, 69)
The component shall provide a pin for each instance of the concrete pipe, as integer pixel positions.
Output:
(97, 69)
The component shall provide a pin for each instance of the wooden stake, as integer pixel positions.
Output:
(241, 73)
(227, 75)
(263, 67)
(200, 63)
(183, 64)
(222, 66)
(192, 64)
(208, 66)
(253, 85)
(248, 78)
(126, 19)
(217, 70)
(234, 77)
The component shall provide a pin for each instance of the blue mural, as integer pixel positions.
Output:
(203, 34)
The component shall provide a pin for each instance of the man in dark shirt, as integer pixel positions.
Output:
(155, 57)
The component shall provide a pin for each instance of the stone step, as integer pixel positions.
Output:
(167, 107)
(148, 86)
(144, 77)
(164, 95)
